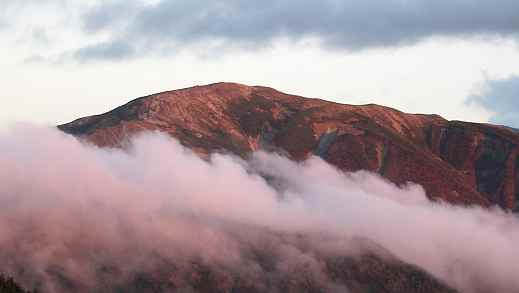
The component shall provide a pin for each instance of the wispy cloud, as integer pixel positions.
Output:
(72, 213)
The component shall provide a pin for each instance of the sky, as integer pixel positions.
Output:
(64, 59)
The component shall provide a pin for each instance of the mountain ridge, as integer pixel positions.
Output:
(459, 162)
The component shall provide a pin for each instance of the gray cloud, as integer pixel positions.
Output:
(502, 98)
(115, 50)
(349, 24)
(108, 14)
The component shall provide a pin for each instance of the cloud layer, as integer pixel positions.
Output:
(117, 29)
(501, 97)
(69, 211)
(136, 28)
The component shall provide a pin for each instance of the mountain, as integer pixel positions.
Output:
(458, 162)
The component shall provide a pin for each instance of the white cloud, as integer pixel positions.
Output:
(160, 202)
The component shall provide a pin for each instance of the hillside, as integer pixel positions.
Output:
(459, 162)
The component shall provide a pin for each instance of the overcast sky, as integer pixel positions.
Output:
(63, 59)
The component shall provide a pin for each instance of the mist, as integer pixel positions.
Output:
(70, 210)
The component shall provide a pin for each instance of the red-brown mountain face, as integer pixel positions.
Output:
(459, 162)
(462, 163)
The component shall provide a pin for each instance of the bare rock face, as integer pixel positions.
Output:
(462, 163)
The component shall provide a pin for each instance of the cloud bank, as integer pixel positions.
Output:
(70, 212)
(138, 28)
(501, 97)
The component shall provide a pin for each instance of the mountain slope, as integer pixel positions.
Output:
(459, 162)
(462, 163)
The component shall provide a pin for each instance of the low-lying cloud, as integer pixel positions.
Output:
(69, 211)
(501, 98)
(141, 28)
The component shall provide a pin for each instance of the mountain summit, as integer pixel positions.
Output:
(459, 162)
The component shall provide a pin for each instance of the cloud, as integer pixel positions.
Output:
(4, 23)
(40, 35)
(116, 50)
(350, 24)
(501, 97)
(75, 214)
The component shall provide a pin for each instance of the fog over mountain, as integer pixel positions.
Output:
(77, 217)
(361, 146)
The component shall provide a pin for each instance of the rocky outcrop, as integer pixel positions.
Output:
(486, 154)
